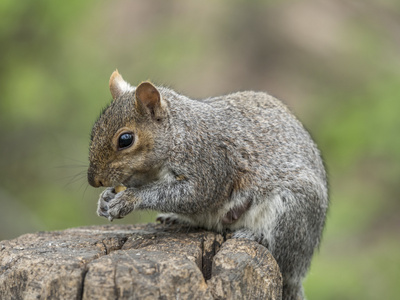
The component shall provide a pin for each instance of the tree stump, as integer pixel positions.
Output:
(151, 261)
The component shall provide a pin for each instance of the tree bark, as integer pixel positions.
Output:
(151, 261)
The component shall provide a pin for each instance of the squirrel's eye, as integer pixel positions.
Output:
(125, 140)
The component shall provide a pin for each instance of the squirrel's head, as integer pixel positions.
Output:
(123, 138)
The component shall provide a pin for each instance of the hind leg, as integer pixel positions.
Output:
(168, 218)
(172, 218)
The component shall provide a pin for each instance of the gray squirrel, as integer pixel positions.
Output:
(240, 162)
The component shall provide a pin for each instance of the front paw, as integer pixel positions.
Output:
(105, 197)
(115, 206)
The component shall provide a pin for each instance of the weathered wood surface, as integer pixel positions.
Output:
(150, 261)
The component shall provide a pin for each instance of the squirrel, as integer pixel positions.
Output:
(240, 162)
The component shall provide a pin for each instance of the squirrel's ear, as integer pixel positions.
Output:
(148, 96)
(118, 85)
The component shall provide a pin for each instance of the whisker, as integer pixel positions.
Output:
(76, 160)
(84, 191)
(70, 166)
(75, 178)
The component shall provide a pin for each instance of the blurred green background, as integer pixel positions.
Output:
(335, 63)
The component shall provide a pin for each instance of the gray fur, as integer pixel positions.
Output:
(211, 156)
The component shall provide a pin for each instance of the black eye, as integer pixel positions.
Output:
(125, 140)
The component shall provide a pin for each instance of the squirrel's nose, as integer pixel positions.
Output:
(93, 179)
